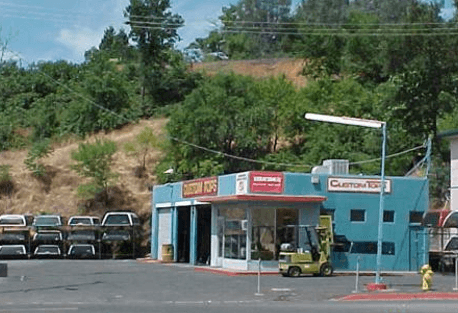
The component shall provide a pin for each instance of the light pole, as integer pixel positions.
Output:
(371, 124)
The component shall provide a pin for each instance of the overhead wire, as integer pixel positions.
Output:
(343, 32)
(138, 20)
(205, 148)
(388, 156)
(312, 31)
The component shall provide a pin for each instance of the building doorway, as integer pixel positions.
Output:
(203, 234)
(184, 227)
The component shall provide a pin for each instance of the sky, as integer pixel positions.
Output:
(50, 30)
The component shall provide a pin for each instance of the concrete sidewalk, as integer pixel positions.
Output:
(407, 287)
(401, 286)
(399, 296)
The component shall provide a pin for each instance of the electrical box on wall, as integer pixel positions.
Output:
(315, 179)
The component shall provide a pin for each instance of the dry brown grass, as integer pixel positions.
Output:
(263, 68)
(56, 193)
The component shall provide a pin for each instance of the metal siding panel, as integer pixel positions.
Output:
(165, 231)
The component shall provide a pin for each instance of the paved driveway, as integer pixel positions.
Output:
(127, 283)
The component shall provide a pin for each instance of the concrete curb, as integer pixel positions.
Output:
(380, 296)
(232, 272)
(148, 260)
(229, 272)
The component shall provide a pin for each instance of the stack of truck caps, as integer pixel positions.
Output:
(46, 236)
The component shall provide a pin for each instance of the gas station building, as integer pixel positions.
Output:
(232, 221)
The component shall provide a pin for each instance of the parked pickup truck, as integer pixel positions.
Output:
(442, 232)
(120, 219)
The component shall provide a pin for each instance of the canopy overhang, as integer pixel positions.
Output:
(258, 197)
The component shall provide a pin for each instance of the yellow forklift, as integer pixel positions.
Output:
(311, 254)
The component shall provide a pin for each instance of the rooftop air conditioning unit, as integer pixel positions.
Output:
(337, 167)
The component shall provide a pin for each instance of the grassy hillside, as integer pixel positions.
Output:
(56, 193)
(263, 68)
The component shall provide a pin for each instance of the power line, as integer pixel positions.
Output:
(319, 32)
(198, 146)
(389, 156)
(256, 26)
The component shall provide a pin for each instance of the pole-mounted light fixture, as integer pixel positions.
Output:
(371, 124)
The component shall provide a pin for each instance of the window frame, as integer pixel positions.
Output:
(392, 215)
(355, 211)
(419, 215)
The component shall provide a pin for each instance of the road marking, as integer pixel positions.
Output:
(280, 289)
(39, 309)
(189, 302)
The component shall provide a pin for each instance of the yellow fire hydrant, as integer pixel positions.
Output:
(426, 277)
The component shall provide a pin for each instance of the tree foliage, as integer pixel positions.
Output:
(143, 145)
(389, 60)
(250, 29)
(39, 150)
(95, 161)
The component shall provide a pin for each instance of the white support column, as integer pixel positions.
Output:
(248, 234)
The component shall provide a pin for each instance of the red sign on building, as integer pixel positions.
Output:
(266, 182)
(200, 187)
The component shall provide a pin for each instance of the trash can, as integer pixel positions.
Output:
(167, 253)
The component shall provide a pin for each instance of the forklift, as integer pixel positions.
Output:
(311, 254)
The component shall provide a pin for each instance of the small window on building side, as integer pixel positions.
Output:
(341, 244)
(415, 217)
(358, 215)
(388, 216)
(370, 247)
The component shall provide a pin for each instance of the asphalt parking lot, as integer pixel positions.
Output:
(105, 283)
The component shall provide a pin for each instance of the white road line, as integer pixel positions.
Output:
(189, 302)
(39, 309)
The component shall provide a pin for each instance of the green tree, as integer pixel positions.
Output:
(224, 114)
(114, 45)
(95, 161)
(39, 150)
(102, 101)
(251, 29)
(154, 29)
(144, 143)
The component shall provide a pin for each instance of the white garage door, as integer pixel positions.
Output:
(165, 229)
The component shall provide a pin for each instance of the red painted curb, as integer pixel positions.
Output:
(375, 286)
(401, 296)
(231, 273)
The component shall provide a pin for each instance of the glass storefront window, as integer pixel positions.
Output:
(234, 232)
(287, 221)
(263, 234)
(270, 228)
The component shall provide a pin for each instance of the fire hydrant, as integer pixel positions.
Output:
(426, 277)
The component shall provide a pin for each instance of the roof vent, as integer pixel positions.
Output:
(321, 170)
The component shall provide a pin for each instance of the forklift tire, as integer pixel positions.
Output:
(326, 270)
(294, 271)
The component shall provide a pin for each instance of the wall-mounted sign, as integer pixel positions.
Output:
(266, 182)
(241, 183)
(363, 185)
(200, 187)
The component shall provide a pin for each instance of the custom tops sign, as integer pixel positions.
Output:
(363, 185)
(200, 187)
(266, 182)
